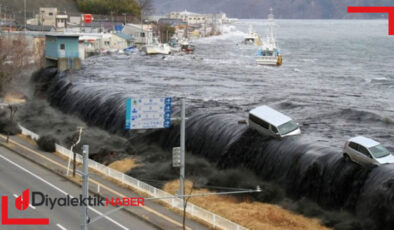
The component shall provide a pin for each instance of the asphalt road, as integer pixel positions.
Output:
(17, 174)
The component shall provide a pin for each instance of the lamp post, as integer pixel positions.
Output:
(24, 4)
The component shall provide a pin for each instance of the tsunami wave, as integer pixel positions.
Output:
(302, 167)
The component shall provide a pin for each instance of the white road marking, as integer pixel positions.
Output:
(61, 227)
(61, 191)
(31, 206)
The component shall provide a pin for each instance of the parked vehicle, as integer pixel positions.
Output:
(365, 151)
(270, 122)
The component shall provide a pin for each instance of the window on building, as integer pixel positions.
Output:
(62, 46)
(50, 14)
(142, 35)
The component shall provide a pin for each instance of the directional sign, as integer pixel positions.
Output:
(176, 157)
(148, 113)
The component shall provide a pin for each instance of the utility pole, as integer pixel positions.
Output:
(71, 151)
(142, 30)
(112, 20)
(85, 186)
(24, 4)
(125, 18)
(182, 168)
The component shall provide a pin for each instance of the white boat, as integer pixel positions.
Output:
(269, 52)
(156, 48)
(252, 37)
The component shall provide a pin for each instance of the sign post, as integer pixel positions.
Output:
(85, 186)
(176, 157)
(182, 169)
(148, 113)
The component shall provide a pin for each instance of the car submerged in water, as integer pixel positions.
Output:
(365, 151)
(270, 122)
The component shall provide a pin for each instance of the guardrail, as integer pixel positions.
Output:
(215, 220)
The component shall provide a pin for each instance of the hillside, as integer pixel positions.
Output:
(291, 9)
(32, 7)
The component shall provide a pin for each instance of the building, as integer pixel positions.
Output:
(96, 43)
(62, 50)
(61, 21)
(142, 35)
(172, 22)
(117, 41)
(47, 16)
(195, 18)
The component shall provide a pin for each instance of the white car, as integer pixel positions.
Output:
(270, 122)
(365, 151)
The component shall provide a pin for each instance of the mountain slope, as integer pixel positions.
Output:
(16, 7)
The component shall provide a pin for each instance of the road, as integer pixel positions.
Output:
(17, 174)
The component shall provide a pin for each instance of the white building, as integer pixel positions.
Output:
(61, 21)
(195, 18)
(142, 35)
(47, 16)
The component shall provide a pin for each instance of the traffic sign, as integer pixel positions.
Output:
(87, 18)
(176, 157)
(148, 113)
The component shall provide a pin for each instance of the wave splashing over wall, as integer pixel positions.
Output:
(302, 167)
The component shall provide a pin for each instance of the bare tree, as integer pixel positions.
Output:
(15, 56)
(146, 7)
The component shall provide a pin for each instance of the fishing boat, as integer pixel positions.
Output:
(187, 47)
(156, 48)
(269, 52)
(252, 37)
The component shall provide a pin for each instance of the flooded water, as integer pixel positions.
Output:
(337, 78)
(337, 81)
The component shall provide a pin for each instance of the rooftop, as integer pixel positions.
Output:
(270, 115)
(364, 141)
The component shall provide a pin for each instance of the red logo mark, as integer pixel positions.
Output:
(376, 9)
(21, 203)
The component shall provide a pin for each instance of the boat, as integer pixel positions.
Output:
(131, 49)
(269, 52)
(174, 45)
(187, 47)
(182, 45)
(156, 48)
(252, 37)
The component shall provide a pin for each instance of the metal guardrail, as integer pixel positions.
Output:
(194, 210)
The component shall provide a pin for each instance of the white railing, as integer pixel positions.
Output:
(29, 133)
(195, 211)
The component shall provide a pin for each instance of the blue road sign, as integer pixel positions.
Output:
(148, 113)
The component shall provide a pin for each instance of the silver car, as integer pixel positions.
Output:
(365, 151)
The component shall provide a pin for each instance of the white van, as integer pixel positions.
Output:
(270, 122)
